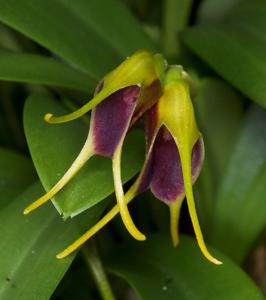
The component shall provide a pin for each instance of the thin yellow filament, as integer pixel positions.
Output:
(185, 156)
(174, 219)
(84, 155)
(106, 219)
(104, 93)
(125, 215)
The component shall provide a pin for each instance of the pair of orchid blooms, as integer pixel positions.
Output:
(143, 83)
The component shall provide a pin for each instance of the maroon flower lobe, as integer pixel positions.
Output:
(110, 119)
(167, 182)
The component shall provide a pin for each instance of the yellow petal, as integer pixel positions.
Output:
(175, 209)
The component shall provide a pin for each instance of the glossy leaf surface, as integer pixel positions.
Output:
(16, 173)
(28, 245)
(240, 215)
(236, 48)
(82, 32)
(220, 127)
(37, 69)
(157, 270)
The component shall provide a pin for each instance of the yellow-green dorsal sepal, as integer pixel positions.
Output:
(176, 109)
(142, 68)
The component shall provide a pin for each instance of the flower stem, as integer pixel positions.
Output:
(95, 265)
(176, 17)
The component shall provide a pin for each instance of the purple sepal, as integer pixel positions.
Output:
(198, 153)
(111, 118)
(167, 180)
(145, 176)
(163, 172)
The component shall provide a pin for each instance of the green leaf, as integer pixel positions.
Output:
(240, 214)
(37, 69)
(8, 38)
(236, 48)
(16, 173)
(157, 270)
(28, 245)
(92, 35)
(214, 11)
(219, 111)
(54, 148)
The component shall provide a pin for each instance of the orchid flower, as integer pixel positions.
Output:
(120, 99)
(174, 156)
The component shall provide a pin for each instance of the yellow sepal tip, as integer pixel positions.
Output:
(121, 201)
(26, 211)
(36, 204)
(61, 255)
(216, 261)
(98, 226)
(174, 219)
(48, 117)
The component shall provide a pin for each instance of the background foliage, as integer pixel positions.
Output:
(52, 54)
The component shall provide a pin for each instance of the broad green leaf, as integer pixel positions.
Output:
(8, 38)
(32, 68)
(219, 112)
(16, 173)
(28, 245)
(236, 48)
(93, 35)
(249, 15)
(157, 270)
(54, 148)
(214, 11)
(240, 215)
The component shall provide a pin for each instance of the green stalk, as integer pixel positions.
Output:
(175, 19)
(95, 265)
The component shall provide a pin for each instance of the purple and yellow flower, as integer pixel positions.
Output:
(174, 145)
(120, 99)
